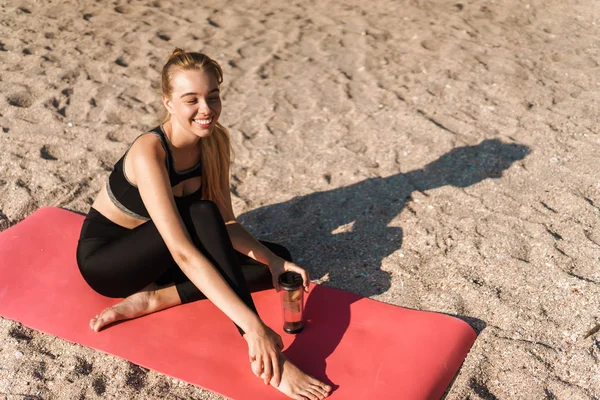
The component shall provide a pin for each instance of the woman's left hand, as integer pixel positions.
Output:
(278, 266)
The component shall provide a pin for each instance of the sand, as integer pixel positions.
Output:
(438, 155)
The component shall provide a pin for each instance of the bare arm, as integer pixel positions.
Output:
(244, 242)
(148, 162)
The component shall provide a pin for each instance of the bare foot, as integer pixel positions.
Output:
(298, 385)
(149, 300)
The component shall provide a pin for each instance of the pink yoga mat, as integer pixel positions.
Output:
(364, 348)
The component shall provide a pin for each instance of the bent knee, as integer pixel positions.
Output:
(99, 283)
(101, 286)
(204, 206)
(203, 209)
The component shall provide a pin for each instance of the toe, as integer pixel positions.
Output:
(316, 392)
(316, 382)
(325, 387)
(94, 325)
(308, 394)
(105, 317)
(324, 392)
(319, 390)
(99, 324)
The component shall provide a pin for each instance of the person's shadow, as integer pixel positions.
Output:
(310, 227)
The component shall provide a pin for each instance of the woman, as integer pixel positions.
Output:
(162, 231)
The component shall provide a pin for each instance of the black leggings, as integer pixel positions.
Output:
(117, 262)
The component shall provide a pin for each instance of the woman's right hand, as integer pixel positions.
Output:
(264, 347)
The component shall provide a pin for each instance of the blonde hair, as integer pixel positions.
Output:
(215, 149)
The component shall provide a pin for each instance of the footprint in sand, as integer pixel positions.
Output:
(46, 153)
(20, 99)
(212, 22)
(136, 377)
(70, 77)
(4, 221)
(83, 367)
(61, 103)
(121, 61)
(21, 333)
(431, 44)
(357, 147)
(114, 137)
(163, 36)
(99, 385)
(123, 9)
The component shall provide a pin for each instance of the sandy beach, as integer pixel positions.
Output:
(437, 155)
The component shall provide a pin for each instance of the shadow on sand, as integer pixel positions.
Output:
(305, 225)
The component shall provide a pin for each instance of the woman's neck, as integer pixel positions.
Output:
(178, 137)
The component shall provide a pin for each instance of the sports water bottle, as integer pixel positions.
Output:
(292, 300)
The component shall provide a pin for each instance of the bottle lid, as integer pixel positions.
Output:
(290, 280)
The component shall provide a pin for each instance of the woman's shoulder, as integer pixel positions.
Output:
(147, 146)
(151, 137)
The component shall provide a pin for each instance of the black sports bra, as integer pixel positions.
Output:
(126, 196)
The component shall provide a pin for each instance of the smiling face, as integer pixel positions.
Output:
(194, 103)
